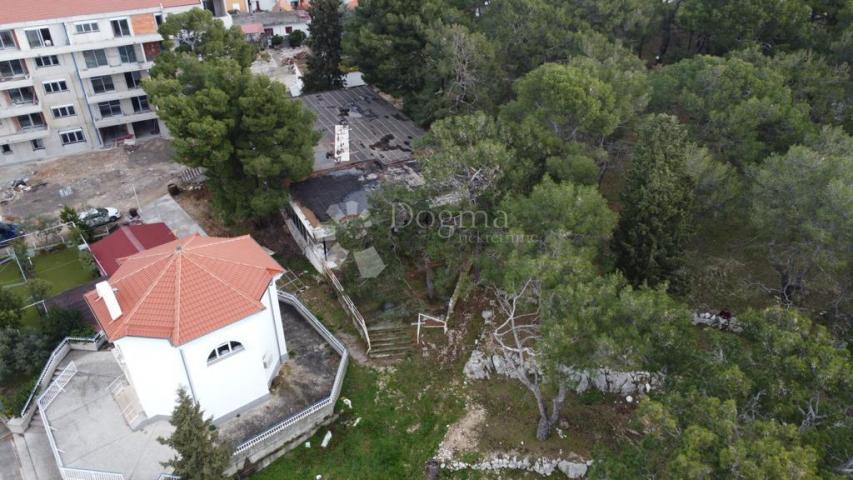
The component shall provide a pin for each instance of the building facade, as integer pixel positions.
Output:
(70, 73)
(198, 313)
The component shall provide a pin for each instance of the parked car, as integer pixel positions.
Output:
(8, 231)
(95, 217)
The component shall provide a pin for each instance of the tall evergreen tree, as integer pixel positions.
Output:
(324, 70)
(657, 199)
(200, 455)
(241, 127)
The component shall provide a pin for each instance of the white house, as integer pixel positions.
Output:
(199, 313)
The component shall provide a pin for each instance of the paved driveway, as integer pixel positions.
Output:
(10, 467)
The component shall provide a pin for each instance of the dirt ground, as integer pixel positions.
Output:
(104, 178)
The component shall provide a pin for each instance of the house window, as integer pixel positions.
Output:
(55, 86)
(47, 61)
(158, 17)
(22, 96)
(127, 54)
(86, 27)
(225, 350)
(38, 144)
(6, 149)
(32, 121)
(11, 68)
(103, 84)
(72, 136)
(140, 104)
(39, 38)
(95, 58)
(63, 111)
(120, 27)
(110, 109)
(133, 79)
(288, 30)
(7, 40)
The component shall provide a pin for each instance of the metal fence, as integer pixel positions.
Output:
(318, 410)
(53, 361)
(44, 401)
(349, 307)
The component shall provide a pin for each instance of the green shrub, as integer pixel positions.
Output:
(14, 403)
(277, 40)
(296, 38)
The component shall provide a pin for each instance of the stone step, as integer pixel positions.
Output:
(378, 343)
(385, 352)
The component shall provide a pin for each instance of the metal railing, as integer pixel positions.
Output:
(44, 401)
(326, 403)
(57, 386)
(53, 361)
(349, 306)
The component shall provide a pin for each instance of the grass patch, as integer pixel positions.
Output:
(404, 415)
(62, 269)
(590, 421)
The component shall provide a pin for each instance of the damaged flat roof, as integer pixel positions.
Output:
(378, 131)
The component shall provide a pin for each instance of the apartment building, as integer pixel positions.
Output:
(70, 72)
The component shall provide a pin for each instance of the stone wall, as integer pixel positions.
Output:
(482, 366)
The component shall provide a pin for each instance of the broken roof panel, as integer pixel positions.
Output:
(377, 131)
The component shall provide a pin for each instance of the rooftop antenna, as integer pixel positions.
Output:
(342, 143)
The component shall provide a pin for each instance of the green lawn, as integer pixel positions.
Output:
(404, 415)
(61, 268)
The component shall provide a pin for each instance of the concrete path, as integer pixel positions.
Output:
(165, 209)
(10, 466)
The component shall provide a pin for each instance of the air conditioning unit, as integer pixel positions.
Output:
(48, 43)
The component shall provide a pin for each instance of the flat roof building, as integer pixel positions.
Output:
(71, 72)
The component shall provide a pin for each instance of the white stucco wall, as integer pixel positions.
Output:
(239, 379)
(155, 370)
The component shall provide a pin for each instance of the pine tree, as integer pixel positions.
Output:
(657, 199)
(200, 455)
(324, 71)
(241, 127)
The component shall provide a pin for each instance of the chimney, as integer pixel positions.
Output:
(105, 292)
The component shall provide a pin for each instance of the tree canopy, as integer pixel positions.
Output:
(242, 128)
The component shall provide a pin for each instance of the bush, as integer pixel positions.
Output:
(10, 309)
(296, 38)
(14, 403)
(61, 323)
(277, 40)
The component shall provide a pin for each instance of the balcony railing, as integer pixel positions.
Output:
(33, 128)
(12, 78)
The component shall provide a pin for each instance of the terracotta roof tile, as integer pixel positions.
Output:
(127, 240)
(187, 288)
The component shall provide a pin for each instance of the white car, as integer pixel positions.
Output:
(95, 217)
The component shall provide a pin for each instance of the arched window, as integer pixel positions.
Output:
(224, 350)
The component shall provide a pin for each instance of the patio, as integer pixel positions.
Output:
(91, 432)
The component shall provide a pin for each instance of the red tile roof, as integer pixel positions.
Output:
(187, 288)
(13, 11)
(128, 240)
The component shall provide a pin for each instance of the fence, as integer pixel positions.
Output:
(317, 411)
(44, 401)
(52, 363)
(349, 307)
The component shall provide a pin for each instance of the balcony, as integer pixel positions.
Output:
(124, 118)
(115, 95)
(14, 109)
(115, 68)
(16, 81)
(26, 134)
